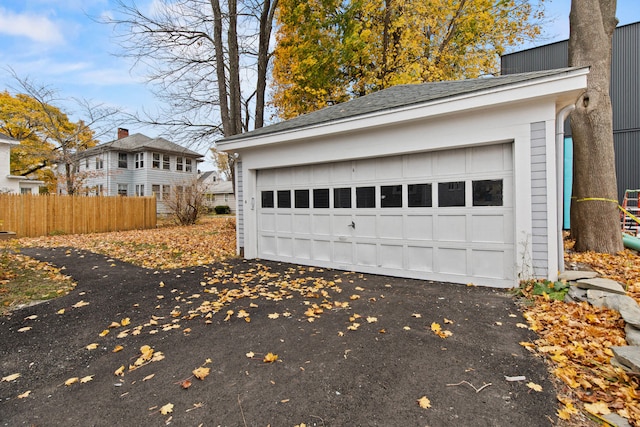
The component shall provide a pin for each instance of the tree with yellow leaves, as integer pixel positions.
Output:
(329, 51)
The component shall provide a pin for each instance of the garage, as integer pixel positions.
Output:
(451, 181)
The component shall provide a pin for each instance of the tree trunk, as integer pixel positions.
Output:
(595, 220)
(266, 25)
(227, 125)
(235, 97)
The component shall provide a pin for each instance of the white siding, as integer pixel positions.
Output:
(539, 227)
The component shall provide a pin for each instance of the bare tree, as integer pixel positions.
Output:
(594, 213)
(68, 138)
(186, 202)
(207, 60)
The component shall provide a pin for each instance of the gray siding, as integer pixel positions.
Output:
(240, 205)
(625, 93)
(540, 229)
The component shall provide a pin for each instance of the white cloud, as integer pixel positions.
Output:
(35, 27)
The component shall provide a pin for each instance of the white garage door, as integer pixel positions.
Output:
(445, 215)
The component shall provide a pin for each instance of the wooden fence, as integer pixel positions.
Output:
(41, 215)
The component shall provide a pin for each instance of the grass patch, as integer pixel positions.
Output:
(554, 290)
(24, 280)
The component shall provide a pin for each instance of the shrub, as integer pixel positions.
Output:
(222, 210)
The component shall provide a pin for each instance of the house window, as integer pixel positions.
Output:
(365, 197)
(99, 189)
(25, 191)
(123, 162)
(391, 196)
(99, 163)
(139, 189)
(166, 165)
(139, 161)
(188, 165)
(155, 163)
(451, 194)
(284, 198)
(122, 189)
(302, 198)
(267, 199)
(419, 195)
(179, 163)
(155, 189)
(487, 192)
(166, 190)
(321, 198)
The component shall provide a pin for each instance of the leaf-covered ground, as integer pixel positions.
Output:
(213, 239)
(577, 338)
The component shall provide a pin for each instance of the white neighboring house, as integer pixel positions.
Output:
(217, 191)
(12, 183)
(136, 165)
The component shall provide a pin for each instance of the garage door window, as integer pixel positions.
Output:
(365, 197)
(419, 195)
(267, 199)
(342, 197)
(391, 196)
(321, 198)
(487, 192)
(302, 198)
(451, 194)
(284, 199)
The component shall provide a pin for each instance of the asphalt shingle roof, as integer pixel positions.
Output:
(137, 142)
(396, 97)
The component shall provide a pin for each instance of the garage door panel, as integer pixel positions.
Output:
(302, 248)
(343, 252)
(321, 173)
(391, 256)
(419, 227)
(491, 228)
(268, 222)
(283, 223)
(268, 245)
(452, 261)
(365, 226)
(450, 162)
(301, 223)
(419, 165)
(490, 264)
(284, 246)
(452, 228)
(341, 225)
(302, 175)
(321, 250)
(341, 172)
(321, 225)
(489, 159)
(366, 254)
(390, 226)
(388, 168)
(364, 170)
(284, 177)
(420, 258)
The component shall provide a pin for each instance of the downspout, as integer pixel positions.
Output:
(561, 116)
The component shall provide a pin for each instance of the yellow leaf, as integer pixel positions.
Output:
(416, 315)
(250, 354)
(92, 346)
(117, 349)
(104, 333)
(354, 297)
(148, 377)
(80, 304)
(11, 377)
(32, 317)
(61, 311)
(86, 379)
(114, 325)
(534, 386)
(599, 407)
(424, 403)
(25, 329)
(448, 321)
(206, 362)
(71, 381)
(273, 315)
(119, 371)
(353, 326)
(270, 358)
(25, 394)
(371, 319)
(166, 409)
(126, 321)
(522, 326)
(406, 328)
(566, 412)
(201, 373)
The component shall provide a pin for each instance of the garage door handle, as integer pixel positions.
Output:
(352, 225)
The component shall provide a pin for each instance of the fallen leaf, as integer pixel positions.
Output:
(11, 377)
(117, 349)
(86, 379)
(25, 329)
(597, 408)
(119, 371)
(32, 317)
(448, 321)
(416, 315)
(371, 319)
(273, 315)
(166, 409)
(522, 326)
(114, 325)
(185, 384)
(126, 321)
(250, 354)
(424, 403)
(201, 373)
(25, 394)
(533, 386)
(92, 346)
(80, 304)
(270, 358)
(61, 311)
(406, 328)
(148, 377)
(71, 381)
(104, 333)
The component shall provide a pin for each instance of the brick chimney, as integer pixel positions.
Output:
(123, 133)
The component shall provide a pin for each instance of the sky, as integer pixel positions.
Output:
(59, 43)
